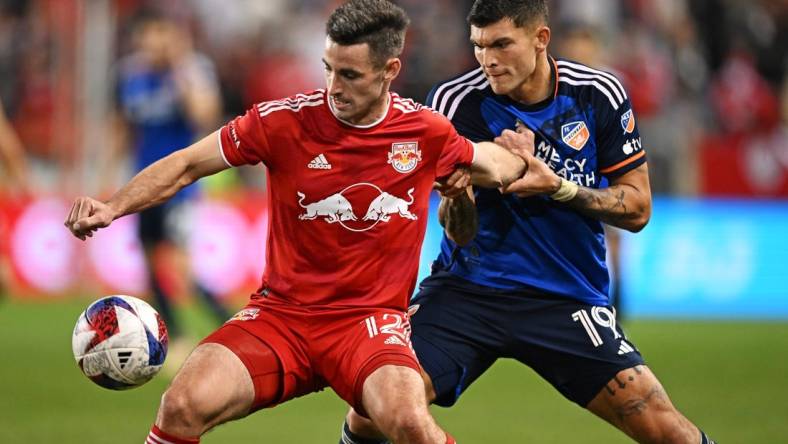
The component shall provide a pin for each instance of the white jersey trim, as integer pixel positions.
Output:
(581, 76)
(441, 96)
(221, 148)
(293, 101)
(604, 82)
(292, 108)
(593, 83)
(584, 68)
(458, 100)
(375, 123)
(473, 144)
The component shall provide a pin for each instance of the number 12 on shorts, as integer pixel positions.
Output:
(393, 324)
(603, 317)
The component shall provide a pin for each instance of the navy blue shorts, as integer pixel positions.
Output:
(460, 329)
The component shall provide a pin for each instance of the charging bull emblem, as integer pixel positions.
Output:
(335, 208)
(339, 207)
(384, 205)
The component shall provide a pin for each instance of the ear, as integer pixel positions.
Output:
(391, 69)
(542, 38)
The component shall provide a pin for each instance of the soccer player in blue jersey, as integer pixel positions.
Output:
(522, 272)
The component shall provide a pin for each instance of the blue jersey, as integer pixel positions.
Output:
(152, 106)
(586, 133)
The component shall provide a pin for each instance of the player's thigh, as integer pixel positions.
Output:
(347, 346)
(270, 339)
(212, 387)
(576, 347)
(454, 341)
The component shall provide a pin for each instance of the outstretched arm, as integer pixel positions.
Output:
(150, 187)
(495, 165)
(626, 203)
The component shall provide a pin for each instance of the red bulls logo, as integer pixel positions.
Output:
(404, 156)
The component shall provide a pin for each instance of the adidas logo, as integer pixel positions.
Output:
(319, 163)
(123, 358)
(625, 348)
(393, 340)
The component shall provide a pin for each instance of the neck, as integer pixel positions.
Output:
(538, 87)
(375, 115)
(376, 112)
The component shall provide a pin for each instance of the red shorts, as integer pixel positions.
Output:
(316, 348)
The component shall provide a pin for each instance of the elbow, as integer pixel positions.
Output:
(636, 226)
(637, 223)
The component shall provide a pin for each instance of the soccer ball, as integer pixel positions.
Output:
(119, 342)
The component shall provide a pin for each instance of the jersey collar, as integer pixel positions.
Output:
(367, 126)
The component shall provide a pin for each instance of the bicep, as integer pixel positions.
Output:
(639, 198)
(204, 157)
(636, 178)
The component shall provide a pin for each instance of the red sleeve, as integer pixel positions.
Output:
(243, 140)
(457, 150)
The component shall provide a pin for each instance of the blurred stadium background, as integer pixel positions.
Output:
(701, 289)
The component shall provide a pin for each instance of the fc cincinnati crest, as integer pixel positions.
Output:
(575, 134)
(404, 156)
(628, 122)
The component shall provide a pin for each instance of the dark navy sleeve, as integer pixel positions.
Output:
(619, 147)
(462, 107)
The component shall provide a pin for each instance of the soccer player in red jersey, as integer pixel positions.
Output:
(350, 170)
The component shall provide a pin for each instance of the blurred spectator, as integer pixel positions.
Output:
(13, 167)
(12, 158)
(167, 96)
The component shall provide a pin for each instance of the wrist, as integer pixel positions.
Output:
(567, 191)
(114, 210)
(555, 186)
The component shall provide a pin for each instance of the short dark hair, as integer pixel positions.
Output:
(521, 12)
(378, 23)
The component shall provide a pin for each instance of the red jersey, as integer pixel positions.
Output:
(348, 204)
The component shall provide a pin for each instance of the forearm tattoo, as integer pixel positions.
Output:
(609, 205)
(459, 218)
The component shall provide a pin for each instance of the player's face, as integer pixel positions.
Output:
(508, 54)
(152, 40)
(357, 89)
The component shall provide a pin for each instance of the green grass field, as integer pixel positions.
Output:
(729, 377)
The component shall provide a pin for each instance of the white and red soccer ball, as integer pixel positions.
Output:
(119, 342)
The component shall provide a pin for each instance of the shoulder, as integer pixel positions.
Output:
(450, 95)
(292, 106)
(602, 87)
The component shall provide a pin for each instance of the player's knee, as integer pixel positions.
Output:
(183, 410)
(407, 424)
(361, 425)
